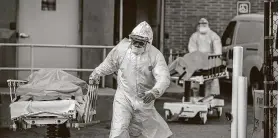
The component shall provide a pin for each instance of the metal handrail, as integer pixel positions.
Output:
(64, 69)
(54, 46)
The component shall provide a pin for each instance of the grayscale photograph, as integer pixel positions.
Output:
(138, 68)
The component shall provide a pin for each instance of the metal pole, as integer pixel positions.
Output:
(277, 115)
(104, 57)
(32, 58)
(121, 21)
(28, 69)
(187, 91)
(267, 53)
(237, 71)
(54, 45)
(162, 26)
(242, 107)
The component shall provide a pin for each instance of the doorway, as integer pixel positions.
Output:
(134, 12)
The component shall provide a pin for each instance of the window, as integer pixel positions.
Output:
(228, 34)
(249, 32)
(48, 5)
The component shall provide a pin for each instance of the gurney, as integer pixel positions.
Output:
(184, 72)
(52, 109)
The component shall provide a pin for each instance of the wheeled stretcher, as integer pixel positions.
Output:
(192, 105)
(54, 114)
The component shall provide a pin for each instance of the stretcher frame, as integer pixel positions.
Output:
(51, 119)
(196, 106)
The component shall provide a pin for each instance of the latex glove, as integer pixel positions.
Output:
(94, 78)
(147, 98)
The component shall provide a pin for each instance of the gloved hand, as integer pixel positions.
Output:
(94, 78)
(147, 98)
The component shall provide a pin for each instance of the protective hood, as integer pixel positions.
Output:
(203, 20)
(144, 30)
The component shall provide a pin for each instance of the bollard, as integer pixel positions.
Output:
(237, 71)
(242, 107)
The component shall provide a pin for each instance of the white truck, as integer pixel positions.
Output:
(248, 31)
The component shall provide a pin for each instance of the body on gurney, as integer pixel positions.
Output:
(195, 67)
(53, 98)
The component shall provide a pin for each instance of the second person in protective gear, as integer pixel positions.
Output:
(207, 41)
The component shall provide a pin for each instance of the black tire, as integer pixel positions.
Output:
(256, 83)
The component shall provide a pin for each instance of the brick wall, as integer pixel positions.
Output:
(182, 16)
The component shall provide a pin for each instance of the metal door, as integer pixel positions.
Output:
(48, 22)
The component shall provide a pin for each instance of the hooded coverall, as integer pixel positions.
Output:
(137, 74)
(209, 43)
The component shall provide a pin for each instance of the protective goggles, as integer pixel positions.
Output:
(138, 41)
(139, 44)
(203, 23)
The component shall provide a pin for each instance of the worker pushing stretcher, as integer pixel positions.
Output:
(203, 65)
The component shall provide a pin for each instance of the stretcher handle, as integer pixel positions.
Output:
(93, 81)
(13, 84)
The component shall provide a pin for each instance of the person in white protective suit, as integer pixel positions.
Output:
(207, 41)
(143, 76)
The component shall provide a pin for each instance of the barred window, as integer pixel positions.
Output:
(48, 5)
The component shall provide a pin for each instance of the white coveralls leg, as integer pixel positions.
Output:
(141, 73)
(208, 42)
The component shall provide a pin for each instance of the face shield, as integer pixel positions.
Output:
(140, 37)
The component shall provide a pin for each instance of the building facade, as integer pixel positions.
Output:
(182, 16)
(105, 22)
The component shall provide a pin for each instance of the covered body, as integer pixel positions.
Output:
(47, 87)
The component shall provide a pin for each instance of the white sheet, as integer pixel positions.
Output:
(20, 108)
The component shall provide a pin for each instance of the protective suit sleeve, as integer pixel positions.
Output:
(217, 45)
(192, 45)
(109, 65)
(162, 76)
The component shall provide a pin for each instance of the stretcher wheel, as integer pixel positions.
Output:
(168, 114)
(219, 111)
(203, 118)
(13, 126)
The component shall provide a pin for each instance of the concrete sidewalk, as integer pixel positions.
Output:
(215, 128)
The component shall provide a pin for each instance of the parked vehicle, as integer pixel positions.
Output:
(248, 31)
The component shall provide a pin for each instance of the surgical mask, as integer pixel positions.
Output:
(137, 50)
(203, 30)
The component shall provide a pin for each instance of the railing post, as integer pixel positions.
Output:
(170, 57)
(242, 107)
(121, 21)
(32, 58)
(237, 71)
(104, 57)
